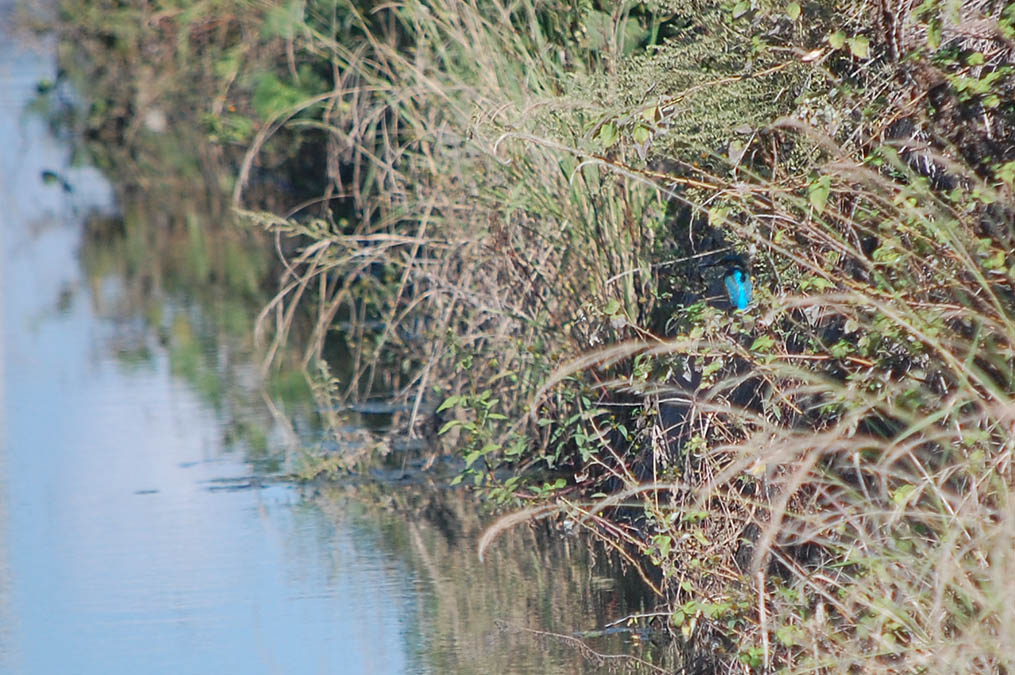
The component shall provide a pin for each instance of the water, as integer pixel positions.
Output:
(131, 537)
(117, 554)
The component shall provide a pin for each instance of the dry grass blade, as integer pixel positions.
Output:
(511, 520)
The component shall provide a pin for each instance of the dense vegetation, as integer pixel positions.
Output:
(518, 215)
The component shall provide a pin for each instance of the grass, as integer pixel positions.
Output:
(522, 202)
(836, 494)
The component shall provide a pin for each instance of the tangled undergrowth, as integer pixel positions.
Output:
(522, 235)
(821, 482)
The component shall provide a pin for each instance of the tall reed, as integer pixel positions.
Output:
(819, 483)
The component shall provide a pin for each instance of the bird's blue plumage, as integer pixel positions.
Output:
(738, 287)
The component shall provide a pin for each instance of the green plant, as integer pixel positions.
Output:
(534, 192)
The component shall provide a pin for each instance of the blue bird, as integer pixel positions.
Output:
(738, 286)
(737, 281)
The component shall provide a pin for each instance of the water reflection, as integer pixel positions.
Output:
(516, 612)
(120, 413)
(140, 527)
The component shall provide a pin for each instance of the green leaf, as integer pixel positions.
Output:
(711, 367)
(995, 261)
(901, 494)
(695, 516)
(634, 34)
(717, 216)
(984, 196)
(818, 192)
(641, 134)
(841, 348)
(763, 344)
(664, 543)
(448, 426)
(934, 35)
(1006, 174)
(789, 635)
(859, 46)
(449, 402)
(608, 135)
(793, 11)
(837, 39)
(820, 284)
(598, 28)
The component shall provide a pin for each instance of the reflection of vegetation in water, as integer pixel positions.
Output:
(198, 290)
(172, 99)
(140, 112)
(183, 90)
(493, 616)
(175, 259)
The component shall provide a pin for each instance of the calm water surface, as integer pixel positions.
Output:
(130, 541)
(118, 555)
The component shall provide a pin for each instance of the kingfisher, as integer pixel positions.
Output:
(737, 280)
(738, 287)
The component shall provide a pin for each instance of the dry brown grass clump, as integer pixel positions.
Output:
(820, 483)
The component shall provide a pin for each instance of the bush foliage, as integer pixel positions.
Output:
(524, 213)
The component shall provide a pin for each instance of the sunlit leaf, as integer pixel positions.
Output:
(901, 494)
(608, 135)
(818, 193)
(1006, 173)
(641, 134)
(449, 402)
(717, 216)
(859, 46)
(448, 426)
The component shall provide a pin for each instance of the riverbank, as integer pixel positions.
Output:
(524, 219)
